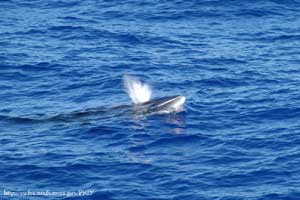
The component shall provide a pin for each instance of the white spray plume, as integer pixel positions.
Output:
(138, 92)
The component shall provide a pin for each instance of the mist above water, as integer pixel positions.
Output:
(138, 91)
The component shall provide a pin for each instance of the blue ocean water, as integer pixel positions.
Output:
(63, 127)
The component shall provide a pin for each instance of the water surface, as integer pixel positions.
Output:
(237, 62)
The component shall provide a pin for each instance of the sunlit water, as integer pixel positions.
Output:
(66, 123)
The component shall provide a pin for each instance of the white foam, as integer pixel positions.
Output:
(138, 92)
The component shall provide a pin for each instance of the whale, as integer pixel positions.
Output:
(142, 104)
(140, 94)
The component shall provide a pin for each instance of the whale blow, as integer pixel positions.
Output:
(138, 92)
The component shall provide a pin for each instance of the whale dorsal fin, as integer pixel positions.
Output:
(138, 92)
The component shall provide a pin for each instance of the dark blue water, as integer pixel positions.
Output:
(63, 127)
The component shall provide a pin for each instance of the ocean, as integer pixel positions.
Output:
(66, 129)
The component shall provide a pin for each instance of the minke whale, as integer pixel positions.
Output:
(140, 94)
